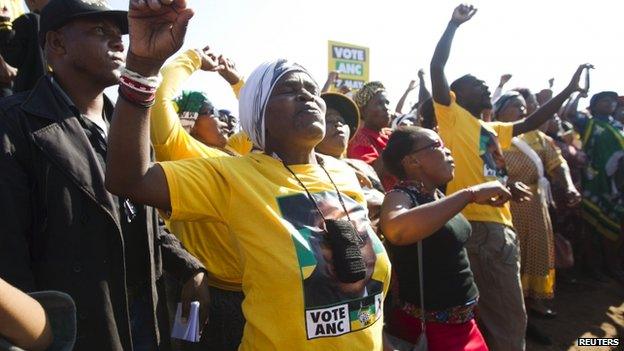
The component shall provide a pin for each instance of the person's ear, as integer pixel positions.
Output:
(410, 162)
(55, 43)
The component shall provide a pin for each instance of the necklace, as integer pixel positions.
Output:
(322, 165)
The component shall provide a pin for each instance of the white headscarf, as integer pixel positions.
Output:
(255, 94)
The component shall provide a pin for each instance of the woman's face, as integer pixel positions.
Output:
(515, 110)
(210, 130)
(295, 112)
(605, 106)
(430, 161)
(376, 113)
(336, 134)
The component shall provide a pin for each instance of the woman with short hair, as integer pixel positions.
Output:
(415, 211)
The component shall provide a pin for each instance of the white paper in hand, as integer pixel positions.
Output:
(188, 331)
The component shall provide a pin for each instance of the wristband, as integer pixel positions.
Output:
(135, 98)
(151, 82)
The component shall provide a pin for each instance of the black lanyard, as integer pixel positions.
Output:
(321, 163)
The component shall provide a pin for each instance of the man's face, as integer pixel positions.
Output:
(376, 113)
(475, 93)
(94, 48)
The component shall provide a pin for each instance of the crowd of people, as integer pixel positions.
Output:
(317, 219)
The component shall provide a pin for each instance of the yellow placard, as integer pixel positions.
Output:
(352, 61)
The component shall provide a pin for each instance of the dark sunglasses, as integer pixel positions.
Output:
(438, 144)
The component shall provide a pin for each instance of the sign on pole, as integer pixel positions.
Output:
(351, 61)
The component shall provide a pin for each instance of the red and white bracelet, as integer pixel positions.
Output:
(137, 89)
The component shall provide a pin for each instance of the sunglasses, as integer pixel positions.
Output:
(438, 144)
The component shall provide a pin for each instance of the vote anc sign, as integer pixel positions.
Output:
(351, 61)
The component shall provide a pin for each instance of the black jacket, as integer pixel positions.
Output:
(59, 229)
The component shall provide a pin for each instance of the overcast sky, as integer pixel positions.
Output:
(532, 39)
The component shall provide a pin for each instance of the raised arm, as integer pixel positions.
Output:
(164, 116)
(439, 84)
(544, 113)
(499, 89)
(227, 70)
(403, 225)
(410, 87)
(423, 93)
(570, 109)
(331, 79)
(156, 32)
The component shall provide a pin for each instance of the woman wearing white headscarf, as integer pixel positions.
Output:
(314, 272)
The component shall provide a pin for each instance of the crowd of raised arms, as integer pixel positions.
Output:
(314, 218)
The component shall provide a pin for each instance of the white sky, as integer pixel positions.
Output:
(532, 39)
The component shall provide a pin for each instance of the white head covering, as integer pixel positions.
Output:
(255, 94)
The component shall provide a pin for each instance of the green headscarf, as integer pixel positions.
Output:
(190, 105)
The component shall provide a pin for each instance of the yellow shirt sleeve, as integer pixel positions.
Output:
(198, 190)
(165, 123)
(236, 88)
(446, 116)
(552, 154)
(504, 130)
(240, 143)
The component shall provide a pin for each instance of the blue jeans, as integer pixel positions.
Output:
(142, 324)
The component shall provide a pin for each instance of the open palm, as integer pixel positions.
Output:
(156, 29)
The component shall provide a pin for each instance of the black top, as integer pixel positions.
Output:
(448, 279)
(20, 48)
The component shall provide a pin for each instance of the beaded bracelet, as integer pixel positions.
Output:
(136, 86)
(137, 89)
(136, 98)
(152, 82)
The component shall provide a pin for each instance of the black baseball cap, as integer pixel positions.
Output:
(57, 13)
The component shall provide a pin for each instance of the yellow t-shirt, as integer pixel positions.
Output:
(544, 146)
(171, 142)
(476, 148)
(293, 300)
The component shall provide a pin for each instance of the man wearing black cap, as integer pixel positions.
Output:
(61, 229)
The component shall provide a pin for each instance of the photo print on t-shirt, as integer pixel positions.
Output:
(493, 160)
(331, 307)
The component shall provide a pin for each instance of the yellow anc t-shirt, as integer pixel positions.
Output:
(171, 142)
(293, 299)
(476, 147)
